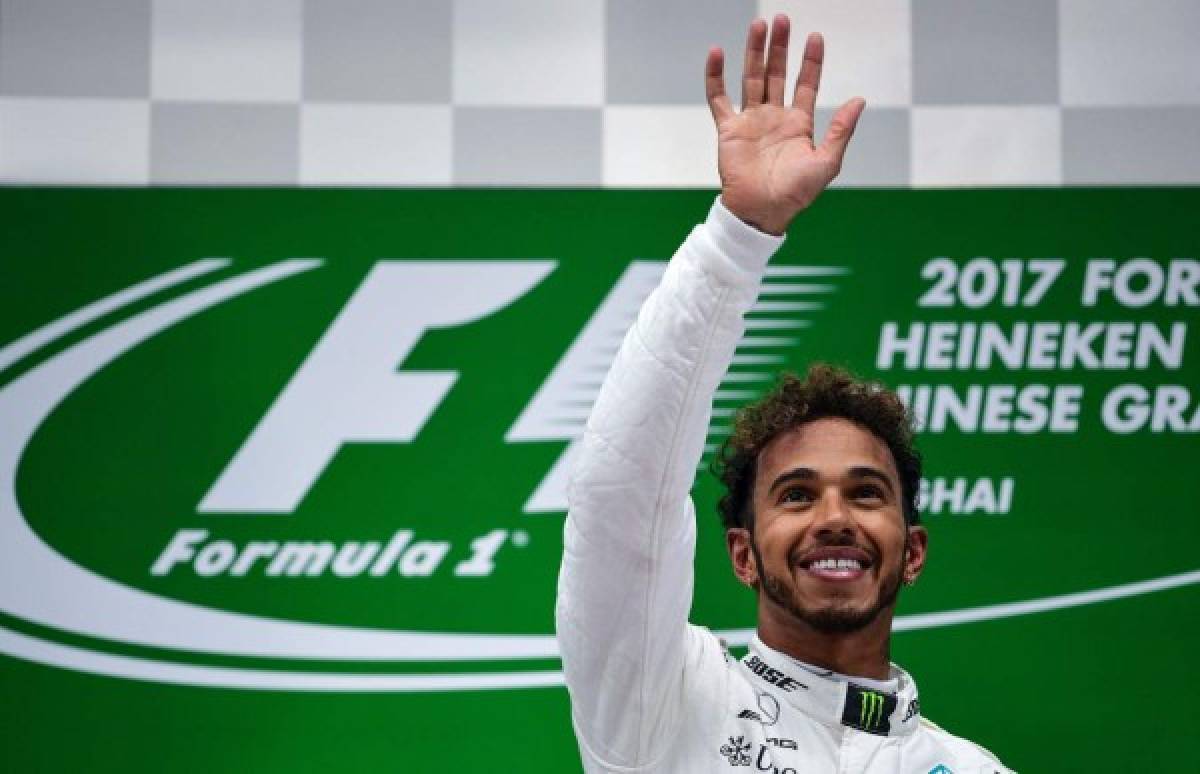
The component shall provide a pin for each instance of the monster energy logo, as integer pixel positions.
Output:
(870, 711)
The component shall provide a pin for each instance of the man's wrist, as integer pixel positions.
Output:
(775, 230)
(739, 244)
(771, 226)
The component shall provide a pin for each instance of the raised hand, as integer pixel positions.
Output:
(770, 169)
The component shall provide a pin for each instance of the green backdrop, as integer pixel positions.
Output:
(1100, 503)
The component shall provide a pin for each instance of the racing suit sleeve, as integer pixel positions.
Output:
(625, 586)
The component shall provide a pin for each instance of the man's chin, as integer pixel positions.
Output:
(837, 619)
(831, 614)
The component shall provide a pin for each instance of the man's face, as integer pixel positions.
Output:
(830, 545)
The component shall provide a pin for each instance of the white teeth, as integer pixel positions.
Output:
(836, 564)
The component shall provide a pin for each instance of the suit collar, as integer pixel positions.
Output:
(832, 699)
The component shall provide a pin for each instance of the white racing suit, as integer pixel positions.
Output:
(649, 691)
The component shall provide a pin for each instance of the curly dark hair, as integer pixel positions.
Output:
(826, 391)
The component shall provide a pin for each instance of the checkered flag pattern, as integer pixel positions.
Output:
(582, 92)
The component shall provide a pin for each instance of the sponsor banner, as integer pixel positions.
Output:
(271, 452)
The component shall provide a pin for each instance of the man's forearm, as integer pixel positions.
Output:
(625, 587)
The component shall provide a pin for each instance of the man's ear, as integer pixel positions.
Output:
(916, 550)
(741, 555)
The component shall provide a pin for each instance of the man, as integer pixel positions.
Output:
(821, 517)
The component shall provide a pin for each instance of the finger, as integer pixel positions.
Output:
(841, 129)
(809, 79)
(752, 68)
(714, 85)
(777, 59)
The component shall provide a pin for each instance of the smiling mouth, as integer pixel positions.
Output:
(836, 569)
(836, 565)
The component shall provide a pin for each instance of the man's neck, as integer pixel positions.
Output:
(862, 653)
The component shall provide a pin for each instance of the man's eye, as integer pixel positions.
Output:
(796, 496)
(868, 493)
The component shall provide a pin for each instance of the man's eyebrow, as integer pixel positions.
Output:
(866, 471)
(808, 474)
(801, 474)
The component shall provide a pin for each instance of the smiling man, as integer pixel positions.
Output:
(820, 514)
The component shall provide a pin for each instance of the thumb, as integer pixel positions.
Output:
(841, 129)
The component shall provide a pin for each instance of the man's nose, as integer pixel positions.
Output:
(833, 514)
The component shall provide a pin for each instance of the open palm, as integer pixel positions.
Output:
(770, 168)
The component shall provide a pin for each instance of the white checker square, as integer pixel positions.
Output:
(529, 53)
(371, 144)
(226, 50)
(986, 145)
(659, 145)
(1115, 53)
(75, 141)
(868, 48)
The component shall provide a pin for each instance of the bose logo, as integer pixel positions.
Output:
(772, 675)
